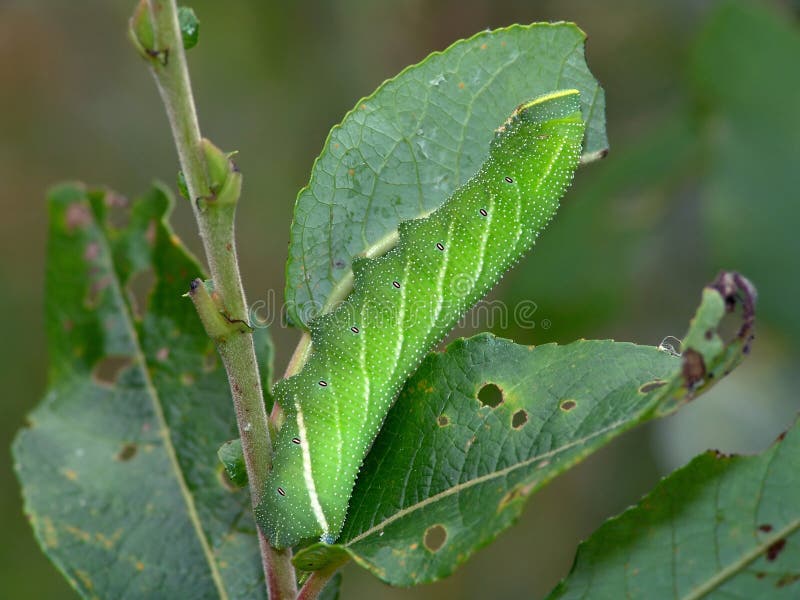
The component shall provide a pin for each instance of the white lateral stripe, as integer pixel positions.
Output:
(484, 239)
(401, 317)
(312, 489)
(443, 272)
(363, 360)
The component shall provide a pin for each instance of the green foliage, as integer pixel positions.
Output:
(448, 473)
(116, 463)
(722, 526)
(404, 149)
(119, 441)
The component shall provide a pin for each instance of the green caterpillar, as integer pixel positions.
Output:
(402, 304)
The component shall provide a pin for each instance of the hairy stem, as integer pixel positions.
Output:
(156, 32)
(316, 583)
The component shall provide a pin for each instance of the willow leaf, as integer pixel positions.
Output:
(117, 464)
(721, 527)
(404, 149)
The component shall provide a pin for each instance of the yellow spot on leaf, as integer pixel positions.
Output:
(461, 85)
(516, 493)
(351, 172)
(108, 542)
(484, 46)
(424, 386)
(139, 565)
(78, 533)
(85, 580)
(70, 474)
(49, 533)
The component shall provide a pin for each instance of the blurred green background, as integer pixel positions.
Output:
(703, 117)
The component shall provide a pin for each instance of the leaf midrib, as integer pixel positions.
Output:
(481, 479)
(141, 362)
(743, 561)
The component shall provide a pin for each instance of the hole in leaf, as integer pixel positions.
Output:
(107, 369)
(728, 327)
(117, 210)
(519, 419)
(490, 395)
(127, 452)
(95, 291)
(651, 385)
(518, 492)
(78, 216)
(139, 288)
(786, 579)
(91, 252)
(775, 549)
(435, 537)
(443, 421)
(567, 405)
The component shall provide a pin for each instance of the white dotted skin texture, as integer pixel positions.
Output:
(402, 304)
